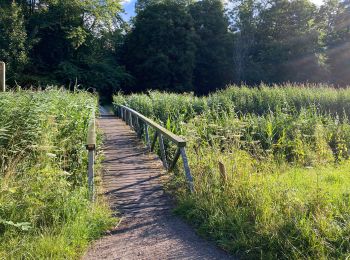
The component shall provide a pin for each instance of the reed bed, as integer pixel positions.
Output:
(270, 165)
(44, 207)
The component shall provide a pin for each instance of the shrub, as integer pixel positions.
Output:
(44, 207)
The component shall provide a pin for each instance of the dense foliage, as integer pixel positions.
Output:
(64, 42)
(249, 41)
(160, 51)
(44, 207)
(175, 45)
(285, 150)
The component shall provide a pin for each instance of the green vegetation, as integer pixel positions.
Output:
(174, 45)
(284, 192)
(44, 206)
(68, 42)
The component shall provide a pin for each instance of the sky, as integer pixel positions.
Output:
(129, 6)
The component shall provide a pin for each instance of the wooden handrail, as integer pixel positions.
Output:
(176, 139)
(127, 114)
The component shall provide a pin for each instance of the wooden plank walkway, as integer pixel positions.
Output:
(132, 182)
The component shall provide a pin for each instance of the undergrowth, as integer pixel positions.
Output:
(282, 190)
(44, 207)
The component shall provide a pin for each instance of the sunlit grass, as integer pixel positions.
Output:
(269, 210)
(285, 190)
(44, 207)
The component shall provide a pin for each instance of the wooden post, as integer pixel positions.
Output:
(119, 111)
(176, 157)
(223, 174)
(162, 151)
(130, 120)
(90, 146)
(140, 128)
(91, 173)
(147, 136)
(154, 140)
(2, 76)
(136, 125)
(187, 169)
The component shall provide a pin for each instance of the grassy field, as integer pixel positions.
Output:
(44, 207)
(285, 149)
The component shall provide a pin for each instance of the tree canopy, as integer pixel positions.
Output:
(160, 49)
(62, 42)
(174, 45)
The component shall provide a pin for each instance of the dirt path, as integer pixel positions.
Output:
(148, 229)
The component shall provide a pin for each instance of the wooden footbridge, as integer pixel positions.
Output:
(133, 184)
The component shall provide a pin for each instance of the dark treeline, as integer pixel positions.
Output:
(62, 42)
(175, 45)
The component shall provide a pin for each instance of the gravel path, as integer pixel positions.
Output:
(148, 230)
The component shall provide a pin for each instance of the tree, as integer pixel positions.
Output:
(142, 4)
(289, 42)
(213, 65)
(159, 51)
(337, 40)
(277, 41)
(13, 38)
(63, 42)
(244, 16)
(64, 30)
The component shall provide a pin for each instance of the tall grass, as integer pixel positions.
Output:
(44, 207)
(285, 150)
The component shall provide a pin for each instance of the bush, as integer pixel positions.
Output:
(44, 206)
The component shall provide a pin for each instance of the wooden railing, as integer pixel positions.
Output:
(141, 125)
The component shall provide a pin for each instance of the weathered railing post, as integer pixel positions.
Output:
(91, 146)
(187, 168)
(126, 116)
(140, 128)
(130, 120)
(2, 76)
(119, 112)
(134, 122)
(154, 141)
(162, 151)
(176, 157)
(147, 137)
